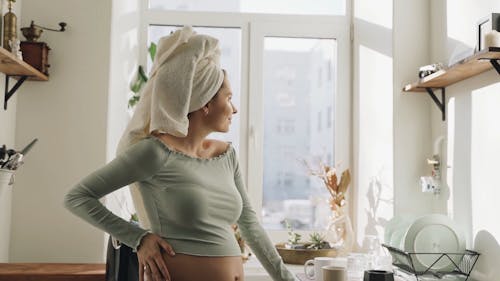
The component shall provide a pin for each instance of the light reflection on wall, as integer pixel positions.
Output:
(485, 157)
(375, 162)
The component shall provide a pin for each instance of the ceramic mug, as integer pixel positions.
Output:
(334, 273)
(378, 275)
(318, 263)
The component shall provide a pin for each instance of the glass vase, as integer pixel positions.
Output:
(339, 232)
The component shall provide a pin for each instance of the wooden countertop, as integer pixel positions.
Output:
(52, 272)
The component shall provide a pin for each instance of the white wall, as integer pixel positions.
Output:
(68, 116)
(412, 136)
(7, 137)
(472, 135)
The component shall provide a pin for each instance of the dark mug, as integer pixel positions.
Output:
(378, 275)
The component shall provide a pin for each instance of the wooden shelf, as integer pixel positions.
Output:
(18, 69)
(468, 67)
(12, 66)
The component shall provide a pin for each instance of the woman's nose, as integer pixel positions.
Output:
(235, 110)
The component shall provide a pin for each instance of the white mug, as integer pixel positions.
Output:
(318, 263)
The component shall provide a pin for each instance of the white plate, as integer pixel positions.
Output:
(396, 228)
(390, 227)
(434, 234)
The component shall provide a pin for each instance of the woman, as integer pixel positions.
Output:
(190, 187)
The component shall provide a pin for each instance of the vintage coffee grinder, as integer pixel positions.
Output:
(36, 53)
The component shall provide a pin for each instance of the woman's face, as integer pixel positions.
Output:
(221, 108)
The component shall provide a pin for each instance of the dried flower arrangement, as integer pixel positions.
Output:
(336, 189)
(339, 232)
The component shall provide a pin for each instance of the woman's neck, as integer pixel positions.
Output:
(193, 144)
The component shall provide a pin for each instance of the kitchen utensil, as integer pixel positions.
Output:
(3, 152)
(9, 155)
(14, 162)
(28, 147)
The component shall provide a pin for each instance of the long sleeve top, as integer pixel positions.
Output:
(190, 202)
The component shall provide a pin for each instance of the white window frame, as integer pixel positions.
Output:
(254, 27)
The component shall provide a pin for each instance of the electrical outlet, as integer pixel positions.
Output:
(428, 184)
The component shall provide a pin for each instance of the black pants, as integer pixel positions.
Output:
(121, 264)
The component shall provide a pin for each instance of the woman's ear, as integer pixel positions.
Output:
(205, 109)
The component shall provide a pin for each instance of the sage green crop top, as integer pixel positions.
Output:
(190, 202)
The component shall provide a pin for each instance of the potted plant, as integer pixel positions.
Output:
(296, 252)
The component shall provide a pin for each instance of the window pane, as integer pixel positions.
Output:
(230, 42)
(301, 7)
(299, 90)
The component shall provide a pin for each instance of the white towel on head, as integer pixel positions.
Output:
(186, 74)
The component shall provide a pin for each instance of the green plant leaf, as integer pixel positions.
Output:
(152, 51)
(136, 87)
(140, 80)
(132, 101)
(142, 74)
(134, 217)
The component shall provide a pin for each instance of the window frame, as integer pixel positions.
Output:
(254, 27)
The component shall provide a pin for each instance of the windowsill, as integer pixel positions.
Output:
(254, 271)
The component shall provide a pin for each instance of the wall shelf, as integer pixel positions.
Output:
(466, 68)
(18, 69)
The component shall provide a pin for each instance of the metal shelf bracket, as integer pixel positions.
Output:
(9, 93)
(495, 64)
(440, 104)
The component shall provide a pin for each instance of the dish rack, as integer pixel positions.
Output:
(459, 263)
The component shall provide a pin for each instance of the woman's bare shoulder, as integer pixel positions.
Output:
(216, 147)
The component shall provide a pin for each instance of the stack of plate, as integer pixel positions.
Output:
(427, 234)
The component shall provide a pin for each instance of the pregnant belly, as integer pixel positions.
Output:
(184, 267)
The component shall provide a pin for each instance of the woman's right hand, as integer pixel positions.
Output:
(151, 262)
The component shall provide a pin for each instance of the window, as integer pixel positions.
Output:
(329, 116)
(273, 64)
(298, 7)
(281, 202)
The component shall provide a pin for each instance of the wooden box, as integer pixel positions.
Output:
(36, 54)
